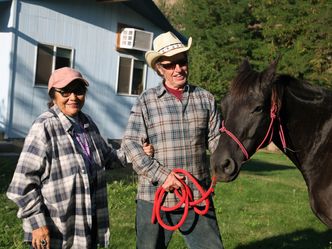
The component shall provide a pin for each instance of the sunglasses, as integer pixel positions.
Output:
(172, 65)
(79, 91)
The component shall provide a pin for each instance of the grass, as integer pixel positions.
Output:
(266, 207)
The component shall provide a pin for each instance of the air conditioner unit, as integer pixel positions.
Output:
(131, 38)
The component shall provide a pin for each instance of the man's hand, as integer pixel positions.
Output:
(39, 237)
(172, 182)
(148, 149)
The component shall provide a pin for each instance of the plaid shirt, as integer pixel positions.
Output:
(180, 131)
(51, 182)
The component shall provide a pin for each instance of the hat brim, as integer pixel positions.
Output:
(65, 82)
(151, 57)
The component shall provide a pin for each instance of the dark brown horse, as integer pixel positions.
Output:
(296, 116)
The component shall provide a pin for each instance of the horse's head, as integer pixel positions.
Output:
(246, 119)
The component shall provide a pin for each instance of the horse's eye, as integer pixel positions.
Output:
(258, 109)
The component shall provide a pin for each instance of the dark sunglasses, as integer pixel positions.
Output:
(172, 65)
(79, 91)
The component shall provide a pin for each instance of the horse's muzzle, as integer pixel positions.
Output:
(226, 170)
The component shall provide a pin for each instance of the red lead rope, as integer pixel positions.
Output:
(185, 198)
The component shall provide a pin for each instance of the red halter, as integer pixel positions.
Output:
(273, 116)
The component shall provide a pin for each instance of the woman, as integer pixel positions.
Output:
(59, 183)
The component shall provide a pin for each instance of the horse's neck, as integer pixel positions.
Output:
(305, 112)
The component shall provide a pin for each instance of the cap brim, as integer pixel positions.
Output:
(66, 82)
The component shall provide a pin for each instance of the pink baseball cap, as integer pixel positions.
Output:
(63, 76)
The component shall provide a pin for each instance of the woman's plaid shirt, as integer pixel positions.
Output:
(51, 184)
(180, 131)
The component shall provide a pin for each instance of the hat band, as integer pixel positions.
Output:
(170, 47)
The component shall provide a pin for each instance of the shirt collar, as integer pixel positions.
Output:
(161, 89)
(65, 121)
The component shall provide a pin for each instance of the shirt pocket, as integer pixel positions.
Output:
(59, 195)
(155, 127)
(198, 127)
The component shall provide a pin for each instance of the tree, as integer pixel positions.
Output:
(226, 31)
(301, 32)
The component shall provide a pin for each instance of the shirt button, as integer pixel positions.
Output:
(83, 171)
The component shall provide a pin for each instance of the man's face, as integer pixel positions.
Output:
(174, 69)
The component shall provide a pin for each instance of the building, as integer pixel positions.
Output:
(105, 40)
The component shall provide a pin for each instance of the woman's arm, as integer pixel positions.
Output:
(26, 184)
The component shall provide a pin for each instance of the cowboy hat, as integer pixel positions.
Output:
(166, 44)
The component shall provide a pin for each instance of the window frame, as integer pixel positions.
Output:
(144, 75)
(54, 56)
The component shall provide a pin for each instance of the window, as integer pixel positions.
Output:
(131, 76)
(50, 58)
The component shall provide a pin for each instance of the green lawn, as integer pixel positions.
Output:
(266, 207)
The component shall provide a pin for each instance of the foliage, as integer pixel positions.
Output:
(224, 32)
(266, 207)
(10, 226)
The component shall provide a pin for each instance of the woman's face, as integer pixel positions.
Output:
(70, 99)
(174, 70)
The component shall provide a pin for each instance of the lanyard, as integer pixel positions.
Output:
(82, 139)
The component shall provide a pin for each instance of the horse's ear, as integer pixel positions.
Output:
(270, 72)
(276, 61)
(245, 65)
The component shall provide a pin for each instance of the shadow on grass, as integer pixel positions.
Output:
(7, 168)
(257, 166)
(126, 175)
(304, 239)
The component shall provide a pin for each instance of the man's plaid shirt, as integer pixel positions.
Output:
(180, 131)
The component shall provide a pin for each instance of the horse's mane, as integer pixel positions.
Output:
(248, 79)
(245, 80)
(300, 89)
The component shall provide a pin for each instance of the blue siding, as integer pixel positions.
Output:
(88, 27)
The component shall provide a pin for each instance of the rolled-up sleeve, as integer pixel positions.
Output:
(134, 137)
(25, 188)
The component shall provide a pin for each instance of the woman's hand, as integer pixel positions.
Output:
(148, 149)
(41, 238)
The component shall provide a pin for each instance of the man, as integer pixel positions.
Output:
(181, 122)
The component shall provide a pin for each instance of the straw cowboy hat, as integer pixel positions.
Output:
(166, 44)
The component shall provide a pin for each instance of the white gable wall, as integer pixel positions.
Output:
(7, 23)
(5, 49)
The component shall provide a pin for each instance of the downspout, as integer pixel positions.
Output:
(12, 66)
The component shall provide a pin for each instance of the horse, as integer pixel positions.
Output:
(263, 107)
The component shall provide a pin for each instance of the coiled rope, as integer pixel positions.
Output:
(185, 196)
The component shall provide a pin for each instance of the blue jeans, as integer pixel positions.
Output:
(199, 232)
